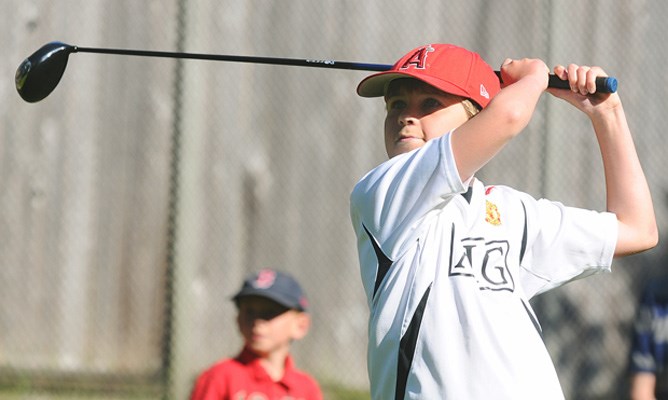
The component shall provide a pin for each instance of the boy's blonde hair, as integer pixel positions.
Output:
(471, 108)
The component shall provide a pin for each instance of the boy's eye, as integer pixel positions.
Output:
(396, 104)
(430, 103)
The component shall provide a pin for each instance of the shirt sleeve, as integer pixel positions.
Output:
(564, 244)
(315, 392)
(393, 197)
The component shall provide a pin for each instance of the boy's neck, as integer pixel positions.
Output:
(274, 363)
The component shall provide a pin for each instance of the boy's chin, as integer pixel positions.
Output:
(258, 349)
(402, 149)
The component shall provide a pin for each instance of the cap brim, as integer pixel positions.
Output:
(375, 85)
(271, 296)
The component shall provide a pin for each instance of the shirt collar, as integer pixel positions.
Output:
(247, 357)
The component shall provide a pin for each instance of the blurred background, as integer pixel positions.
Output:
(138, 195)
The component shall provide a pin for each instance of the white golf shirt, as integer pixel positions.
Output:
(448, 270)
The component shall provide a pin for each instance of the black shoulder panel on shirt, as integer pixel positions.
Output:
(524, 234)
(384, 263)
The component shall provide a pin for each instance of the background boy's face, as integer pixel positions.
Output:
(418, 112)
(268, 327)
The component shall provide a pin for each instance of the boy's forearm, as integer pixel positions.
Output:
(642, 386)
(519, 101)
(628, 194)
(479, 140)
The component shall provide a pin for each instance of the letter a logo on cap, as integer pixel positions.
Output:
(418, 59)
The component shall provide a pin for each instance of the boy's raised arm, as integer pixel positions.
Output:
(477, 141)
(627, 191)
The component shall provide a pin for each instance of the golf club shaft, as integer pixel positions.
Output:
(603, 84)
(244, 59)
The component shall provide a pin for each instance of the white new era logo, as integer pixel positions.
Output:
(483, 91)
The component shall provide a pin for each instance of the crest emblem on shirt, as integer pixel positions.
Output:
(492, 215)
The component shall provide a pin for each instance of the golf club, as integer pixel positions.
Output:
(39, 74)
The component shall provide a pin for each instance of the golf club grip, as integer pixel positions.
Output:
(604, 84)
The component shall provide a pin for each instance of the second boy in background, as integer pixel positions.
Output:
(271, 315)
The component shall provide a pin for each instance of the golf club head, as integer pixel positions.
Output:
(39, 74)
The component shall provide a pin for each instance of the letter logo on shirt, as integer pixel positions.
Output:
(486, 262)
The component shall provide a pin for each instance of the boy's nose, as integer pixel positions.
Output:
(407, 119)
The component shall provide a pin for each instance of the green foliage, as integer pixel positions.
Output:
(338, 392)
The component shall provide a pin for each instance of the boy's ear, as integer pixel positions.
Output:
(301, 325)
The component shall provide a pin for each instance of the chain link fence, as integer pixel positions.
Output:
(136, 197)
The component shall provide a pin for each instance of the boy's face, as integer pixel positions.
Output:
(418, 112)
(268, 327)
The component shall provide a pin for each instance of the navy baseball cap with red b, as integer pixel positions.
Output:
(274, 285)
(447, 67)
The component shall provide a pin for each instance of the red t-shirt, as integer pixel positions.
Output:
(243, 378)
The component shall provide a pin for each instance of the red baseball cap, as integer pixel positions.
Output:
(447, 67)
